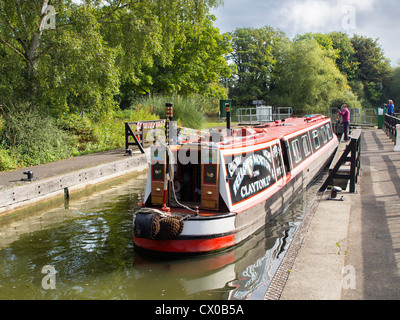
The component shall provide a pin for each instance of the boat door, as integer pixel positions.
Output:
(286, 158)
(158, 170)
(210, 179)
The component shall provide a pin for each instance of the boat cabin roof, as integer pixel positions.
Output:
(283, 129)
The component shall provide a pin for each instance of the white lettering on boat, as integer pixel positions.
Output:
(242, 166)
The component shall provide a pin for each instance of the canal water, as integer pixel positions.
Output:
(84, 250)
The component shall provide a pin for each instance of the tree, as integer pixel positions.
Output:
(324, 40)
(374, 67)
(306, 79)
(78, 70)
(254, 57)
(394, 87)
(66, 66)
(345, 59)
(21, 29)
(196, 66)
(93, 48)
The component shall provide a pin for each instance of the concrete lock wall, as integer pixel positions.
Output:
(29, 193)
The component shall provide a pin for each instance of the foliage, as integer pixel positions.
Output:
(79, 72)
(394, 86)
(373, 67)
(324, 40)
(196, 66)
(186, 110)
(109, 135)
(98, 46)
(31, 137)
(345, 58)
(7, 161)
(272, 68)
(306, 79)
(80, 128)
(254, 54)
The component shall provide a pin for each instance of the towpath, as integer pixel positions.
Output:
(44, 171)
(350, 250)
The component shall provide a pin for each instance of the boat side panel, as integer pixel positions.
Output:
(256, 217)
(208, 227)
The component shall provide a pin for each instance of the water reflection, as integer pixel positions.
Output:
(90, 246)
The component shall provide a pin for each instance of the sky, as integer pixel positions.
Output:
(377, 19)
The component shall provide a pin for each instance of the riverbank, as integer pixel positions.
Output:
(63, 178)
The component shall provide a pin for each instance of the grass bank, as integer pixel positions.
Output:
(30, 137)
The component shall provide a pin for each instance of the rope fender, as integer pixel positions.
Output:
(157, 225)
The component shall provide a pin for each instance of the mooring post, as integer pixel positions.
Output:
(397, 146)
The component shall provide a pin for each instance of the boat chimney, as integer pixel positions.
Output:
(169, 113)
(228, 118)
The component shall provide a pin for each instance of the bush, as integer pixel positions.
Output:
(187, 110)
(142, 113)
(32, 138)
(7, 162)
(80, 129)
(110, 135)
(348, 98)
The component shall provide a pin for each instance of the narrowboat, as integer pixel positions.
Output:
(214, 191)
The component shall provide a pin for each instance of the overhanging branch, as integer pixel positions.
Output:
(15, 49)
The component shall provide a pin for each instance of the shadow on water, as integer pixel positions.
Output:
(91, 249)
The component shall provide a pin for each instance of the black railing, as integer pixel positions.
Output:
(389, 126)
(351, 154)
(138, 134)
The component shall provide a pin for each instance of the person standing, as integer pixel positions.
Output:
(345, 113)
(391, 108)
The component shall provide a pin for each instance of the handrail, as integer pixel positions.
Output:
(354, 149)
(358, 116)
(263, 114)
(138, 134)
(389, 126)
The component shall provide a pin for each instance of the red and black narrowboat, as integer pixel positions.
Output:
(214, 192)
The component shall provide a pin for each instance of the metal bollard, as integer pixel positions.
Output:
(29, 176)
(397, 146)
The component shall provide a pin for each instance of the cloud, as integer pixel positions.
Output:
(372, 18)
(319, 16)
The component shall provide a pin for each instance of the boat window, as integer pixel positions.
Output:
(316, 139)
(323, 133)
(329, 131)
(306, 145)
(296, 151)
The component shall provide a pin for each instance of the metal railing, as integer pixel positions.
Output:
(262, 114)
(389, 126)
(351, 154)
(138, 135)
(368, 117)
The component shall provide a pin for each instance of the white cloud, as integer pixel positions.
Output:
(318, 16)
(371, 18)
